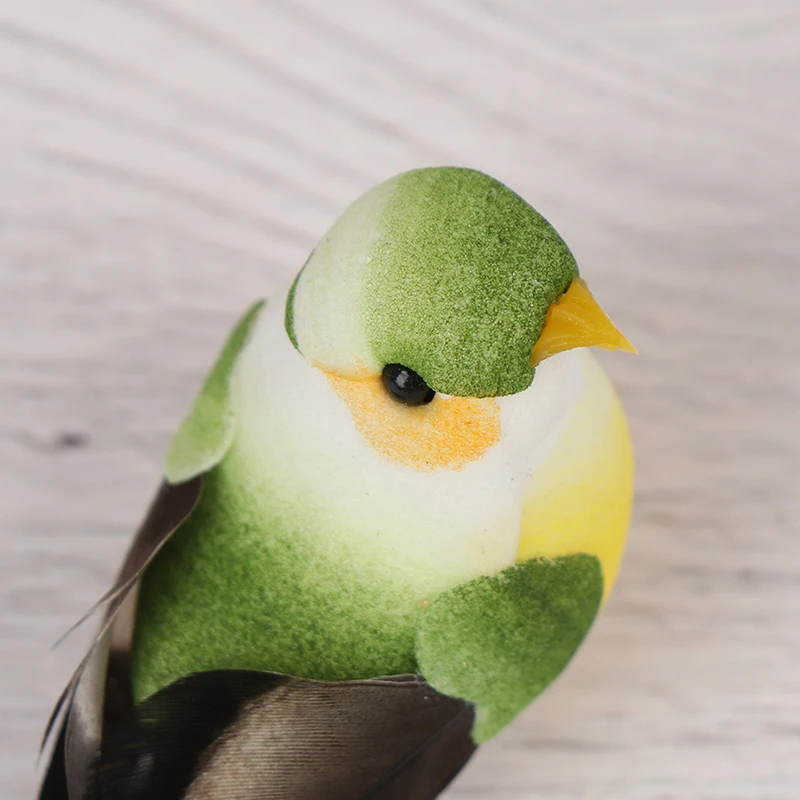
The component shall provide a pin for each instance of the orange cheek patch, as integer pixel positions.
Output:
(447, 433)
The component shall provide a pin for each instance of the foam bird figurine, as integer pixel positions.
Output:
(386, 525)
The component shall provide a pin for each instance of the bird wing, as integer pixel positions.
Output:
(207, 433)
(498, 641)
(233, 733)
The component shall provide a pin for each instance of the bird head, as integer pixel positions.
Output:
(451, 274)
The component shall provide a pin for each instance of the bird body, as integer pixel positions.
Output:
(312, 553)
(409, 465)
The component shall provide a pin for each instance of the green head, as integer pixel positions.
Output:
(443, 270)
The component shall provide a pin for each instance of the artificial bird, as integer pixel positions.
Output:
(387, 522)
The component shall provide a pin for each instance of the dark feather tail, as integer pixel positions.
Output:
(54, 786)
(244, 735)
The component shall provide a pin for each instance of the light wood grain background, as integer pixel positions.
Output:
(164, 162)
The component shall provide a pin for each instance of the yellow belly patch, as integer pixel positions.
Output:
(447, 433)
(580, 497)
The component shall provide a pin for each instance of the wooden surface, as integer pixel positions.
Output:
(164, 162)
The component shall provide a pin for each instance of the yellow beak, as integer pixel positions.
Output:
(576, 320)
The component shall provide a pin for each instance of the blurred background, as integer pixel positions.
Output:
(165, 162)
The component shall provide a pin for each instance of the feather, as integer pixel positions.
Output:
(82, 703)
(242, 735)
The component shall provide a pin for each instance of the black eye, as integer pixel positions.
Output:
(406, 385)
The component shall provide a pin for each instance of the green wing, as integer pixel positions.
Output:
(499, 641)
(207, 432)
